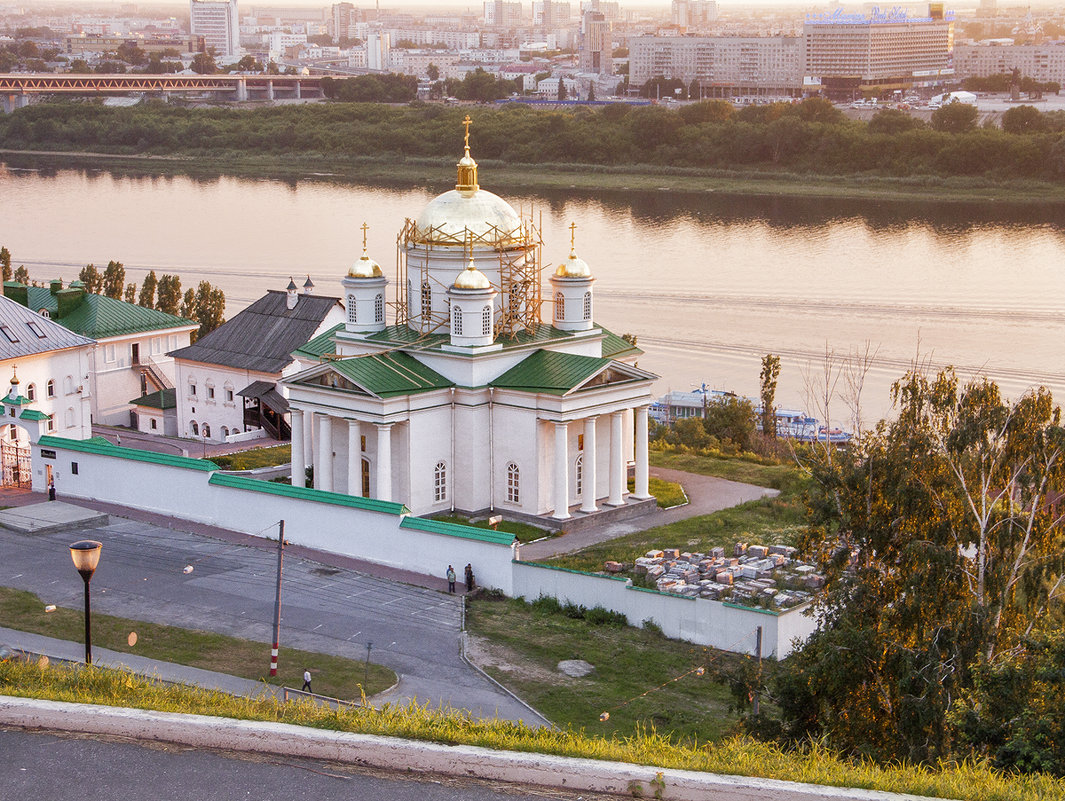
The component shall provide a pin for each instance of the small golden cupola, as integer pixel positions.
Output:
(572, 286)
(365, 267)
(14, 391)
(472, 302)
(467, 180)
(364, 294)
(472, 278)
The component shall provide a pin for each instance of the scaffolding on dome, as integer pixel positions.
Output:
(519, 253)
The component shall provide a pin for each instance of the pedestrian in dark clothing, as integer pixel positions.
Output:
(51, 492)
(450, 578)
(469, 577)
(307, 681)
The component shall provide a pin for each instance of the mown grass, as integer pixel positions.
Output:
(971, 781)
(255, 458)
(332, 675)
(748, 468)
(667, 493)
(525, 532)
(628, 662)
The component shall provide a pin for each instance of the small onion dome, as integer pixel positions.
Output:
(365, 267)
(574, 267)
(472, 278)
(291, 285)
(14, 379)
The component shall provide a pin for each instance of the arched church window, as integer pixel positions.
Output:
(578, 472)
(68, 385)
(486, 321)
(379, 308)
(440, 482)
(587, 305)
(225, 432)
(513, 483)
(50, 388)
(353, 310)
(427, 298)
(206, 431)
(195, 428)
(31, 392)
(456, 322)
(560, 306)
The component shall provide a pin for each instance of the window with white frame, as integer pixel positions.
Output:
(153, 424)
(440, 482)
(379, 309)
(578, 472)
(31, 392)
(560, 306)
(50, 388)
(513, 483)
(227, 393)
(587, 305)
(456, 322)
(51, 423)
(192, 388)
(353, 310)
(486, 321)
(210, 391)
(70, 417)
(109, 353)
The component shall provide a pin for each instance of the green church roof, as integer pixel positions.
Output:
(98, 316)
(550, 372)
(389, 374)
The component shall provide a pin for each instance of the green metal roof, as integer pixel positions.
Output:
(18, 400)
(550, 372)
(34, 414)
(308, 494)
(163, 399)
(457, 530)
(614, 346)
(402, 335)
(98, 316)
(321, 345)
(389, 374)
(102, 447)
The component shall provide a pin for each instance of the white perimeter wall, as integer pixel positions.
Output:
(698, 620)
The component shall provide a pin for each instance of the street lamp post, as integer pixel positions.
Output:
(86, 556)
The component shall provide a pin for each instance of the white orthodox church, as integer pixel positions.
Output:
(466, 399)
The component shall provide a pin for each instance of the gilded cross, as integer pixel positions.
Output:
(467, 122)
(572, 235)
(365, 228)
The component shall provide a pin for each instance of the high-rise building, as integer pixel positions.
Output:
(595, 48)
(217, 22)
(550, 14)
(855, 52)
(694, 13)
(343, 20)
(378, 45)
(502, 13)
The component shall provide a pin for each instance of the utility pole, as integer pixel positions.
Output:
(277, 598)
(758, 689)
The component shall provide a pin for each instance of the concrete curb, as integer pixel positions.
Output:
(390, 753)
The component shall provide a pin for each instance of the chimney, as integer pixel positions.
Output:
(308, 286)
(55, 285)
(293, 298)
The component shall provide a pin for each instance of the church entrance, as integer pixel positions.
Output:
(15, 459)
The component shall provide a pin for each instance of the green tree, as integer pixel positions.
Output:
(433, 72)
(130, 294)
(731, 419)
(168, 294)
(147, 294)
(954, 118)
(1023, 120)
(5, 262)
(188, 305)
(91, 278)
(114, 280)
(22, 275)
(769, 375)
(204, 64)
(561, 88)
(210, 307)
(892, 122)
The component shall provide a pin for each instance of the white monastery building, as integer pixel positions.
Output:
(463, 398)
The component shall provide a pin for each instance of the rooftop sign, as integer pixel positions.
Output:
(875, 17)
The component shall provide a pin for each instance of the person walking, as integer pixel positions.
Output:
(307, 681)
(469, 577)
(450, 578)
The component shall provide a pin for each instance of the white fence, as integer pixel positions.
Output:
(717, 624)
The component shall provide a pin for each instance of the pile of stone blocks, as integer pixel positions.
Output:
(756, 575)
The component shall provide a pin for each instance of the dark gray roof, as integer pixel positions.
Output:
(263, 336)
(18, 338)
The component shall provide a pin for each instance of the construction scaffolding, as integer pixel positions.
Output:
(519, 255)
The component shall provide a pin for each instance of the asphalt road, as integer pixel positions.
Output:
(69, 768)
(231, 588)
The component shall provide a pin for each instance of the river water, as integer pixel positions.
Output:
(709, 283)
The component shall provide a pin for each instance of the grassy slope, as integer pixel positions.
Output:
(628, 663)
(332, 675)
(970, 781)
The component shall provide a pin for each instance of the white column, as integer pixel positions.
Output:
(384, 462)
(641, 488)
(629, 454)
(617, 460)
(561, 471)
(325, 452)
(354, 458)
(588, 478)
(299, 470)
(308, 439)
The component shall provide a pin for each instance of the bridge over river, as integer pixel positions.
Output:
(17, 89)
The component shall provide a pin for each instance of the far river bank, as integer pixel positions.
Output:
(578, 178)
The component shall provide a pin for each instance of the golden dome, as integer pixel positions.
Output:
(472, 278)
(574, 267)
(365, 267)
